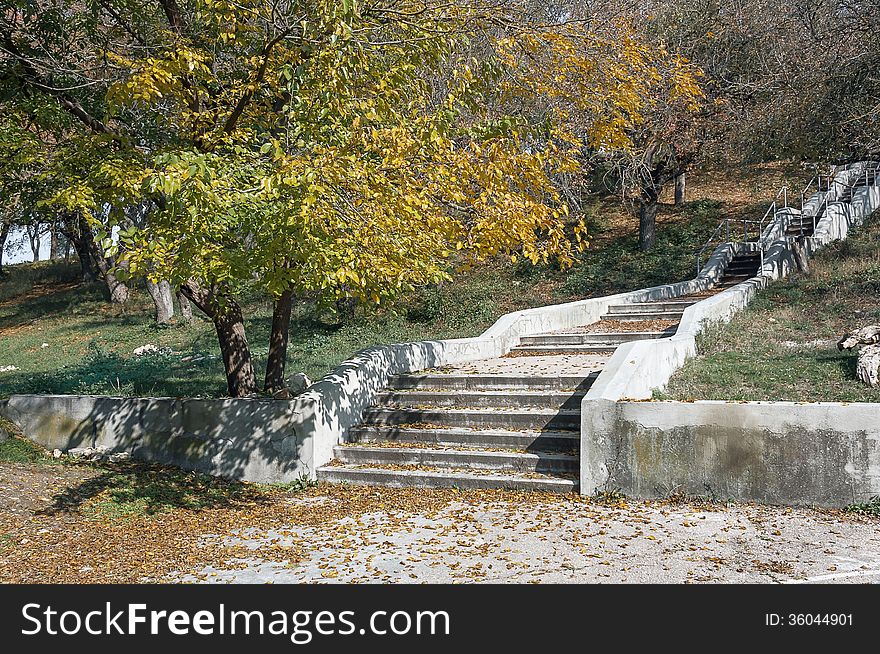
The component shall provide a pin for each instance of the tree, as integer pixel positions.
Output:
(330, 148)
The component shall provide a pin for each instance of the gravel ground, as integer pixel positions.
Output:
(64, 524)
(570, 541)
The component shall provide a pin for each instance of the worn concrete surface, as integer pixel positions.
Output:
(791, 453)
(565, 540)
(527, 365)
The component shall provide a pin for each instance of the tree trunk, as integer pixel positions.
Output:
(278, 342)
(54, 249)
(85, 260)
(4, 234)
(186, 312)
(648, 222)
(73, 230)
(118, 290)
(679, 189)
(162, 299)
(229, 325)
(34, 238)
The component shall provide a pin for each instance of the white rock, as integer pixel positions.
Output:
(56, 453)
(149, 348)
(8, 368)
(45, 345)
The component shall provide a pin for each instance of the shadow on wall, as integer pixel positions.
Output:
(259, 440)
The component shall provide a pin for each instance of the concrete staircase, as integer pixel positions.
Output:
(468, 431)
(481, 428)
(867, 178)
(742, 267)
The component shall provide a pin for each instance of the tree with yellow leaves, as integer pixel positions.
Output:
(325, 147)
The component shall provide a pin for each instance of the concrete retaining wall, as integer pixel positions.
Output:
(821, 454)
(242, 439)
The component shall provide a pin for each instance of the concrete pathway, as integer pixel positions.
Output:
(541, 539)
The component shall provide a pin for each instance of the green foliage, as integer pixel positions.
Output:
(621, 265)
(90, 344)
(20, 450)
(870, 508)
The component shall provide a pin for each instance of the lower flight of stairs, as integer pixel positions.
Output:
(467, 431)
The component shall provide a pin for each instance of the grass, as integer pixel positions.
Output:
(783, 346)
(869, 508)
(137, 489)
(20, 450)
(64, 337)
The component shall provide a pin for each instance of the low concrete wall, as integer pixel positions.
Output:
(243, 439)
(638, 368)
(819, 454)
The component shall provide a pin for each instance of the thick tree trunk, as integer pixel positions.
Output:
(229, 325)
(679, 189)
(278, 342)
(648, 222)
(186, 312)
(162, 299)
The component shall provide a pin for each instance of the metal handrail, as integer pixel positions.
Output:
(774, 211)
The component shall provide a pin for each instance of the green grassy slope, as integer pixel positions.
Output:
(782, 347)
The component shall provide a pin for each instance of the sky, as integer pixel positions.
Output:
(18, 248)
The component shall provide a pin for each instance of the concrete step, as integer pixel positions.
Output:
(590, 338)
(567, 349)
(644, 315)
(533, 418)
(497, 439)
(482, 398)
(443, 479)
(649, 307)
(488, 382)
(743, 267)
(662, 305)
(544, 462)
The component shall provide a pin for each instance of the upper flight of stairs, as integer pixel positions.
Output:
(866, 178)
(804, 225)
